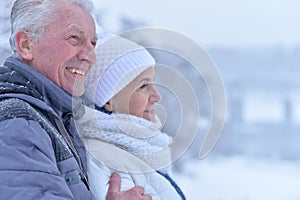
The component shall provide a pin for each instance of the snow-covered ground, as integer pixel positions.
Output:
(240, 178)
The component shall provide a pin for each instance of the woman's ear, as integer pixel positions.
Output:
(24, 45)
(108, 106)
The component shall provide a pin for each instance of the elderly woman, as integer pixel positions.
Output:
(123, 123)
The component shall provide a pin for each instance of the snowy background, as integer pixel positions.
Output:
(256, 47)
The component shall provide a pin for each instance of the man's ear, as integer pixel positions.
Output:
(108, 106)
(24, 45)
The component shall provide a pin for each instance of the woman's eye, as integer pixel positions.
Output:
(144, 86)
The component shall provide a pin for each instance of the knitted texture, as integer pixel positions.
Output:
(135, 135)
(20, 109)
(119, 61)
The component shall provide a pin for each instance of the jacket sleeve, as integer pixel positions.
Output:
(99, 175)
(28, 167)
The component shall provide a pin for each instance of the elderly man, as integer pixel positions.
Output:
(41, 154)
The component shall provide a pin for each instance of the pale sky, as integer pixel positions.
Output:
(215, 22)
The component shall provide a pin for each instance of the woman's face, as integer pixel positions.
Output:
(138, 97)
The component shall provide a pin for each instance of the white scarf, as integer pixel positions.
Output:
(135, 135)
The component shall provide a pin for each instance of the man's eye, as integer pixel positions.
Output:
(94, 43)
(74, 39)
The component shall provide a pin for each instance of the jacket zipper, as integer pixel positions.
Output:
(67, 138)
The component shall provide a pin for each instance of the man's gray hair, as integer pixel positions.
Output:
(34, 16)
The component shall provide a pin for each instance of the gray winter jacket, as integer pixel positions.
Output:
(41, 154)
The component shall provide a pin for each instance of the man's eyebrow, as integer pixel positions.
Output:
(96, 38)
(75, 28)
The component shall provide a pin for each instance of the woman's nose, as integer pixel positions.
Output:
(155, 95)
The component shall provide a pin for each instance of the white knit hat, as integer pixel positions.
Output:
(119, 61)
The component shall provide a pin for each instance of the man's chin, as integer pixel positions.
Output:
(76, 91)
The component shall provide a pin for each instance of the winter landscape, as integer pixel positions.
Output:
(257, 156)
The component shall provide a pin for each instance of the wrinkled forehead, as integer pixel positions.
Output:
(70, 16)
(73, 11)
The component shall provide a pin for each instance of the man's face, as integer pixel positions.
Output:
(65, 52)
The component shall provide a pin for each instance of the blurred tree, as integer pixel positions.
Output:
(4, 28)
(128, 23)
